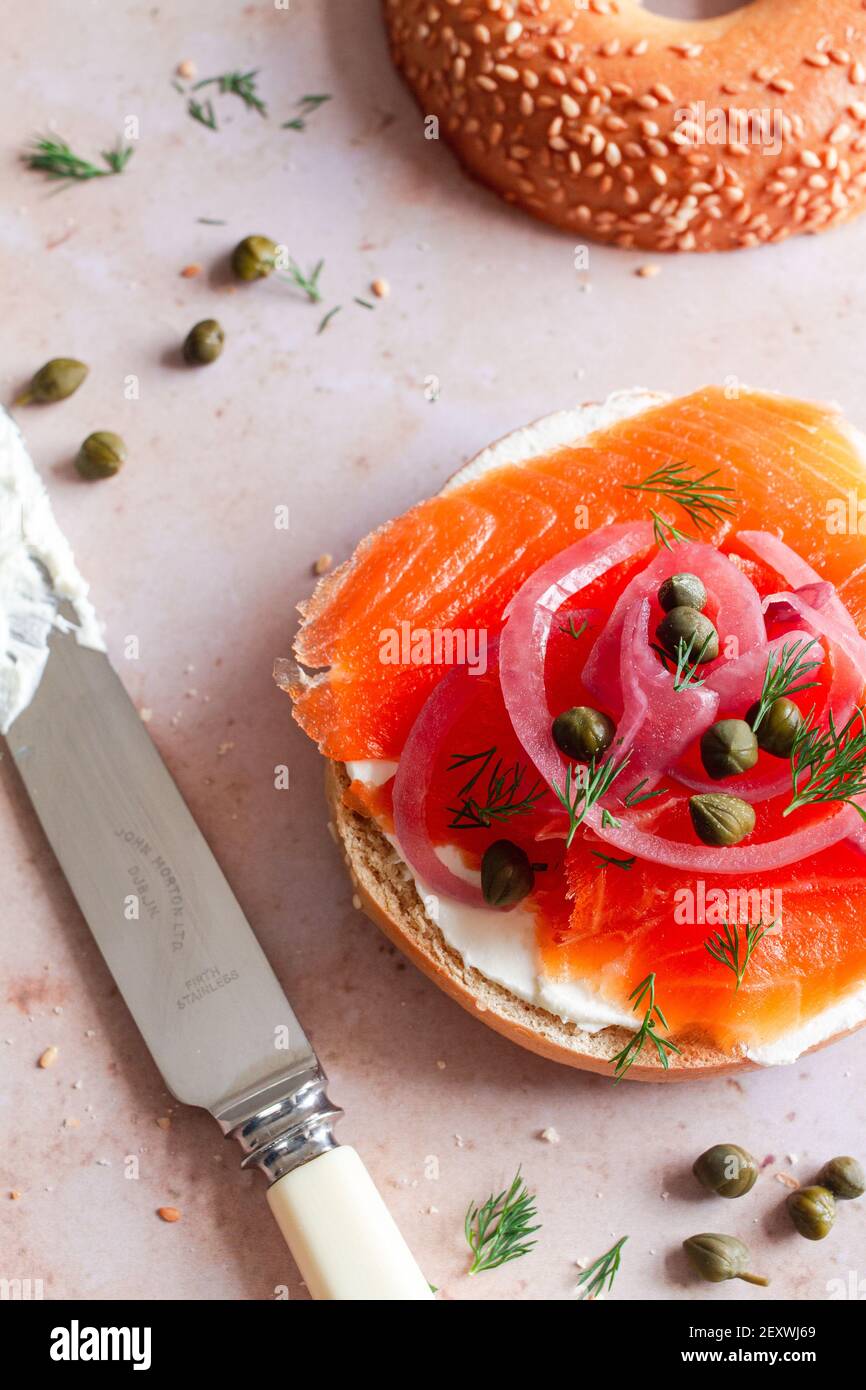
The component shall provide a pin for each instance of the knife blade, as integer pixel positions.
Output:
(196, 981)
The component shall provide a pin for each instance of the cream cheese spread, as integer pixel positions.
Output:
(37, 573)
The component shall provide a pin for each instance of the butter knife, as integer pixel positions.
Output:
(194, 978)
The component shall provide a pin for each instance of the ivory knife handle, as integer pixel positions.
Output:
(343, 1237)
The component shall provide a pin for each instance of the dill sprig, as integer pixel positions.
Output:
(704, 502)
(54, 158)
(687, 669)
(832, 763)
(501, 800)
(653, 1017)
(635, 797)
(784, 671)
(616, 863)
(724, 946)
(238, 84)
(308, 282)
(498, 1230)
(307, 105)
(571, 631)
(581, 792)
(203, 112)
(602, 1271)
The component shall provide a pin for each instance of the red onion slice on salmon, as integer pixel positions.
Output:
(734, 607)
(523, 643)
(658, 722)
(412, 783)
(801, 844)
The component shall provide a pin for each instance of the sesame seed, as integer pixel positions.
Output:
(639, 48)
(839, 133)
(780, 84)
(513, 31)
(485, 83)
(817, 60)
(482, 33)
(648, 272)
(570, 107)
(506, 72)
(663, 92)
(658, 175)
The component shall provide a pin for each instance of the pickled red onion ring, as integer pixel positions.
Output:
(739, 616)
(799, 573)
(523, 643)
(841, 824)
(412, 784)
(658, 722)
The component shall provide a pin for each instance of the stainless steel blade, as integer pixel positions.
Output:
(188, 965)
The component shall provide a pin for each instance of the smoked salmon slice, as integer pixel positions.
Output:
(457, 559)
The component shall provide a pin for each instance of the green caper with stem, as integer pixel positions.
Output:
(55, 381)
(683, 624)
(583, 733)
(101, 455)
(727, 1170)
(254, 258)
(204, 342)
(718, 1257)
(507, 876)
(778, 728)
(812, 1210)
(728, 748)
(682, 591)
(844, 1177)
(720, 819)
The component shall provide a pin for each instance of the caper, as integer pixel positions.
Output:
(55, 381)
(254, 257)
(844, 1177)
(506, 874)
(728, 748)
(101, 455)
(204, 342)
(583, 733)
(720, 819)
(777, 729)
(716, 1258)
(727, 1170)
(682, 591)
(686, 625)
(813, 1211)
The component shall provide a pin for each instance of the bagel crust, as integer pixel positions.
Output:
(626, 127)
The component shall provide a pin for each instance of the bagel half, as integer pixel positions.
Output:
(386, 889)
(627, 127)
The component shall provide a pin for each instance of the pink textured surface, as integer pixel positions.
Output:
(182, 552)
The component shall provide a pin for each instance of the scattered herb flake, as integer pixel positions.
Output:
(327, 319)
(307, 105)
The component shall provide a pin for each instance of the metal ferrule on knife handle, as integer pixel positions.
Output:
(291, 1127)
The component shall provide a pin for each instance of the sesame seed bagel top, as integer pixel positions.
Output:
(627, 127)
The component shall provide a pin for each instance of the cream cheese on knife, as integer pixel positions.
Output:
(36, 567)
